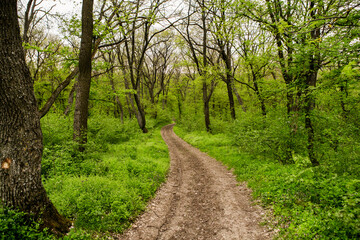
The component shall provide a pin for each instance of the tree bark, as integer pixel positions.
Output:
(206, 98)
(84, 81)
(70, 100)
(309, 99)
(117, 103)
(230, 95)
(257, 91)
(21, 136)
(140, 114)
(309, 105)
(226, 56)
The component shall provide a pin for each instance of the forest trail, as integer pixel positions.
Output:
(200, 200)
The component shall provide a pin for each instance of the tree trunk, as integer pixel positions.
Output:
(140, 114)
(206, 109)
(311, 79)
(70, 100)
(230, 95)
(179, 101)
(20, 136)
(116, 97)
(240, 100)
(309, 105)
(45, 109)
(129, 99)
(226, 55)
(206, 99)
(84, 81)
(258, 94)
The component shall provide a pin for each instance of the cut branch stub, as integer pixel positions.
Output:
(5, 164)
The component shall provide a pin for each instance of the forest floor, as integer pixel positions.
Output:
(200, 200)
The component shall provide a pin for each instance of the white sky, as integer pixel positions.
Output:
(65, 6)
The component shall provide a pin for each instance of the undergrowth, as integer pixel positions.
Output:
(106, 187)
(306, 202)
(15, 225)
(101, 190)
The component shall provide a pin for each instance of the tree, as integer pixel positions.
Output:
(223, 30)
(137, 27)
(84, 81)
(20, 136)
(200, 57)
(254, 47)
(299, 31)
(118, 108)
(156, 70)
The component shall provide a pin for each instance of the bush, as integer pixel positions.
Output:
(105, 190)
(108, 130)
(191, 122)
(163, 118)
(16, 225)
(306, 202)
(61, 155)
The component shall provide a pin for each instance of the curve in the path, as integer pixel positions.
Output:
(200, 200)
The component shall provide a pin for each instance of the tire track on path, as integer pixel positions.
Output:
(200, 200)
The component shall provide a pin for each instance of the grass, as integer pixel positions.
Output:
(306, 202)
(110, 197)
(103, 189)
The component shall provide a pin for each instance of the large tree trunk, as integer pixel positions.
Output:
(309, 99)
(20, 133)
(84, 81)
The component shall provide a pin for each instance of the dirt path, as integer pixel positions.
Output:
(200, 200)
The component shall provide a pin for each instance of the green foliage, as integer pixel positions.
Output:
(107, 130)
(163, 117)
(107, 186)
(61, 155)
(192, 121)
(307, 203)
(270, 136)
(16, 225)
(338, 143)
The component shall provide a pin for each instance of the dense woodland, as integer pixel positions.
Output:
(271, 88)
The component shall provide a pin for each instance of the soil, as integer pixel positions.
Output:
(200, 200)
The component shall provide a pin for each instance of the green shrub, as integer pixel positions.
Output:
(16, 225)
(65, 159)
(163, 118)
(306, 202)
(270, 137)
(61, 155)
(192, 122)
(105, 191)
(57, 129)
(110, 130)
